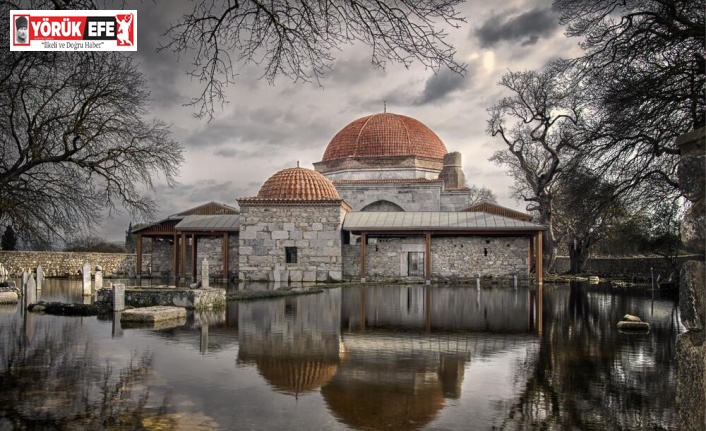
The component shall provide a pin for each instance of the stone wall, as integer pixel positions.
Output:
(161, 259)
(624, 266)
(691, 345)
(209, 247)
(59, 264)
(453, 258)
(455, 200)
(315, 231)
(408, 196)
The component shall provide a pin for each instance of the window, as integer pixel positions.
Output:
(290, 254)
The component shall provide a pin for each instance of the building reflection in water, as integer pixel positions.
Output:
(402, 352)
(295, 342)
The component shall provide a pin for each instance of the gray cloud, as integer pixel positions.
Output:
(527, 27)
(441, 84)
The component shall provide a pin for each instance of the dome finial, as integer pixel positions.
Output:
(297, 163)
(384, 106)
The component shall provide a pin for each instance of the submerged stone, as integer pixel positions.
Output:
(153, 314)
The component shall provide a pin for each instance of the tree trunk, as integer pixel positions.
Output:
(578, 254)
(548, 237)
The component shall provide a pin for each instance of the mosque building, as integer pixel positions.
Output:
(387, 201)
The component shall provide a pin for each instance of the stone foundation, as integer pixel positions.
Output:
(188, 298)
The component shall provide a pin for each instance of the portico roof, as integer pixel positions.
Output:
(218, 223)
(370, 221)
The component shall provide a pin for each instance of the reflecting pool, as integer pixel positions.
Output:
(375, 358)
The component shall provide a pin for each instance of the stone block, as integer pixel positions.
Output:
(295, 275)
(8, 298)
(692, 295)
(295, 234)
(329, 234)
(317, 226)
(309, 276)
(153, 314)
(309, 234)
(691, 381)
(693, 230)
(335, 275)
(248, 233)
(288, 226)
(280, 234)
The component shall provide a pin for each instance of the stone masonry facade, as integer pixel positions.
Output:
(452, 258)
(312, 229)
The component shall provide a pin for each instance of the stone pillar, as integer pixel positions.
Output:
(30, 290)
(40, 277)
(691, 345)
(86, 270)
(98, 284)
(118, 297)
(204, 273)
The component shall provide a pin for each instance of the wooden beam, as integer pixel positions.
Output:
(194, 252)
(183, 255)
(363, 239)
(225, 256)
(175, 256)
(427, 258)
(138, 257)
(540, 268)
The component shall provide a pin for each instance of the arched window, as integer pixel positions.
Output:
(383, 206)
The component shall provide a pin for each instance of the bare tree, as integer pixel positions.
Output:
(481, 194)
(644, 65)
(75, 140)
(536, 123)
(586, 208)
(297, 39)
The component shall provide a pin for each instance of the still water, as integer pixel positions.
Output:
(374, 358)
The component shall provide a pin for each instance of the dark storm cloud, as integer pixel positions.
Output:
(161, 69)
(527, 27)
(441, 84)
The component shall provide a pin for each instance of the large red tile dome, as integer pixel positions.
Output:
(383, 135)
(298, 184)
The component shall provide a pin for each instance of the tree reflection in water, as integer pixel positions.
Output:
(50, 380)
(587, 375)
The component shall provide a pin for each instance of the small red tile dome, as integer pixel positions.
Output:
(382, 135)
(298, 184)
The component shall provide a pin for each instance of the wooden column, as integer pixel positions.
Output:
(427, 259)
(194, 251)
(225, 256)
(531, 253)
(138, 256)
(363, 239)
(175, 256)
(183, 255)
(539, 264)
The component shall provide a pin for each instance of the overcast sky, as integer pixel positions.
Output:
(266, 128)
